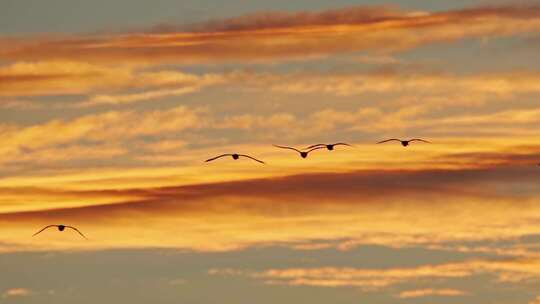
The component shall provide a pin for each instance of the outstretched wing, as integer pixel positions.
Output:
(392, 139)
(290, 148)
(44, 229)
(214, 158)
(317, 145)
(419, 139)
(342, 144)
(260, 161)
(77, 231)
(316, 148)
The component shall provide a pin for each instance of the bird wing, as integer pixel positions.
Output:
(214, 158)
(317, 145)
(342, 144)
(384, 141)
(290, 148)
(419, 139)
(260, 161)
(317, 148)
(44, 229)
(77, 231)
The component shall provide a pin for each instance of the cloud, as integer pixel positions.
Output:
(104, 84)
(110, 85)
(273, 20)
(403, 81)
(112, 125)
(35, 142)
(16, 293)
(430, 292)
(370, 207)
(13, 104)
(277, 36)
(368, 280)
(365, 279)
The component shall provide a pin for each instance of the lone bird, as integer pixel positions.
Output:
(330, 147)
(303, 154)
(404, 142)
(60, 228)
(235, 157)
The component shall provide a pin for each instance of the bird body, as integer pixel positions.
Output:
(404, 143)
(234, 156)
(60, 228)
(303, 154)
(330, 147)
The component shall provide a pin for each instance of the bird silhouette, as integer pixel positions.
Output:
(60, 228)
(330, 147)
(303, 154)
(404, 142)
(235, 157)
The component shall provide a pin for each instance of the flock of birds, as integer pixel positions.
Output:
(303, 153)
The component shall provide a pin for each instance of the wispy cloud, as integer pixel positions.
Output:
(16, 293)
(366, 207)
(418, 293)
(103, 84)
(274, 36)
(103, 126)
(369, 280)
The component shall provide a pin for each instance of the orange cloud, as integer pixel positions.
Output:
(495, 85)
(35, 141)
(102, 82)
(284, 36)
(376, 279)
(366, 279)
(366, 207)
(16, 292)
(430, 292)
(100, 127)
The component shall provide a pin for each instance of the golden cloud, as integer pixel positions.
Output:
(16, 292)
(284, 36)
(376, 279)
(100, 127)
(430, 292)
(393, 208)
(102, 82)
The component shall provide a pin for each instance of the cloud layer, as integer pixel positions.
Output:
(276, 36)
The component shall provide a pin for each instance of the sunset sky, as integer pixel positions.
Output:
(108, 110)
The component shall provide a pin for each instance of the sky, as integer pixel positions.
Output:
(109, 109)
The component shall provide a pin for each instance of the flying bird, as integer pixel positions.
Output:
(60, 228)
(404, 142)
(235, 157)
(330, 147)
(303, 154)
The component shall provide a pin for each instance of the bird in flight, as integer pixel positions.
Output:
(60, 228)
(235, 157)
(330, 147)
(404, 142)
(303, 154)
